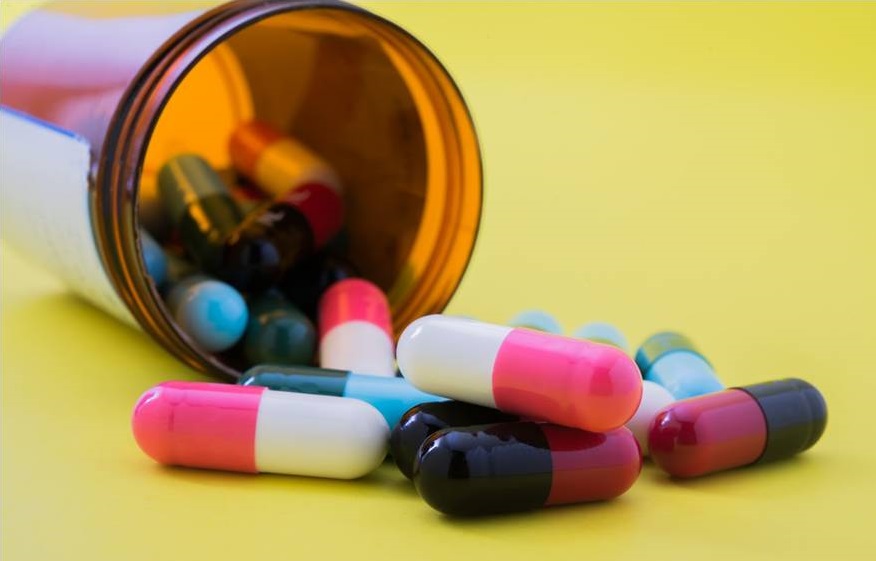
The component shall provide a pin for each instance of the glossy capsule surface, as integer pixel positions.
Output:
(737, 427)
(570, 382)
(422, 421)
(391, 396)
(519, 466)
(654, 398)
(212, 313)
(278, 235)
(671, 360)
(253, 429)
(200, 205)
(355, 329)
(278, 333)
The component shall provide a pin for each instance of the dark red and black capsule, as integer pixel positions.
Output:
(277, 236)
(737, 427)
(511, 467)
(420, 422)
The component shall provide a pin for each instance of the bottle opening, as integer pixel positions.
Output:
(369, 100)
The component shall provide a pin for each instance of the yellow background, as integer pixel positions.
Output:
(704, 167)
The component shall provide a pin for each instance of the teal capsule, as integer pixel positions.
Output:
(153, 258)
(213, 314)
(604, 333)
(278, 333)
(671, 360)
(200, 205)
(391, 396)
(538, 320)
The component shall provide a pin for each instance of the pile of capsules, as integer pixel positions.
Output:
(488, 419)
(484, 418)
(245, 271)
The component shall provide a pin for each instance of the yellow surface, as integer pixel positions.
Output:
(703, 167)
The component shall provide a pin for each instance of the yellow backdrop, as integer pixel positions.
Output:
(704, 167)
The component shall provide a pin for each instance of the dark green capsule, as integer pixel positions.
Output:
(278, 333)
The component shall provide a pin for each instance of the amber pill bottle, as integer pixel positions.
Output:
(97, 95)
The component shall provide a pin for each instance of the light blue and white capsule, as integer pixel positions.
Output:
(538, 320)
(391, 396)
(604, 333)
(671, 360)
(213, 314)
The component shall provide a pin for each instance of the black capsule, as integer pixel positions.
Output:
(306, 283)
(420, 422)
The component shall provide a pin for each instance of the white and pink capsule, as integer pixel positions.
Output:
(355, 329)
(569, 382)
(252, 429)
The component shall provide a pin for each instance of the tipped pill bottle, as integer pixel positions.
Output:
(97, 95)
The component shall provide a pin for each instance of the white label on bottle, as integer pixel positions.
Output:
(44, 209)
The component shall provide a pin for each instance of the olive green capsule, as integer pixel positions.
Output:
(200, 206)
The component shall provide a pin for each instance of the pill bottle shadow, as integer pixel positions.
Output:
(142, 82)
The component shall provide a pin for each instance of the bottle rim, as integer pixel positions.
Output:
(114, 191)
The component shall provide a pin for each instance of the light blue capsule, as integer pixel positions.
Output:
(211, 312)
(671, 360)
(391, 396)
(538, 320)
(602, 333)
(153, 258)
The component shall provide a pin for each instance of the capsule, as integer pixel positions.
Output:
(277, 236)
(420, 422)
(520, 466)
(278, 333)
(252, 429)
(654, 398)
(305, 284)
(566, 381)
(355, 329)
(201, 207)
(538, 320)
(671, 360)
(153, 258)
(604, 333)
(277, 163)
(212, 313)
(737, 427)
(391, 396)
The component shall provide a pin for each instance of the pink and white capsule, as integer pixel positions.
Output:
(252, 429)
(355, 329)
(569, 382)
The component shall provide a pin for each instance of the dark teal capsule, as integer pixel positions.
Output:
(278, 333)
